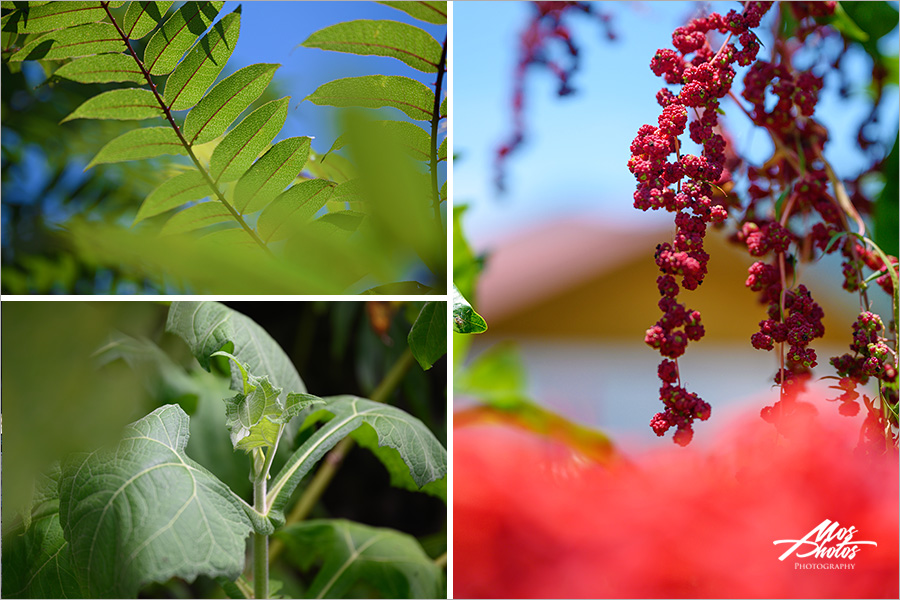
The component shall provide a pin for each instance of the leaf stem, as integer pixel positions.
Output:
(435, 121)
(260, 542)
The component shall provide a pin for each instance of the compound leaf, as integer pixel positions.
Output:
(222, 105)
(138, 144)
(199, 69)
(240, 147)
(141, 17)
(392, 562)
(177, 34)
(376, 91)
(428, 336)
(430, 12)
(174, 192)
(196, 217)
(102, 68)
(406, 43)
(145, 512)
(271, 174)
(423, 454)
(292, 208)
(124, 105)
(91, 38)
(58, 15)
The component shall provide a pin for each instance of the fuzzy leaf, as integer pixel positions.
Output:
(293, 208)
(271, 174)
(420, 450)
(375, 91)
(428, 336)
(430, 12)
(196, 217)
(222, 105)
(199, 69)
(177, 34)
(396, 468)
(389, 561)
(58, 15)
(174, 192)
(131, 104)
(92, 38)
(141, 17)
(397, 40)
(465, 319)
(102, 68)
(242, 145)
(145, 512)
(139, 144)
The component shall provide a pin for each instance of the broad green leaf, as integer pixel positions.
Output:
(398, 40)
(138, 144)
(172, 193)
(465, 319)
(196, 217)
(177, 34)
(400, 477)
(271, 174)
(428, 336)
(222, 105)
(376, 91)
(389, 561)
(37, 564)
(843, 23)
(58, 15)
(430, 12)
(142, 16)
(131, 104)
(208, 327)
(298, 205)
(242, 145)
(420, 450)
(145, 512)
(102, 68)
(92, 38)
(199, 69)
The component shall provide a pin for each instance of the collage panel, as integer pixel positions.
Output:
(197, 449)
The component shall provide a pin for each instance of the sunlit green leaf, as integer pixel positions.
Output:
(142, 16)
(292, 208)
(177, 34)
(58, 15)
(240, 147)
(92, 38)
(222, 105)
(199, 69)
(376, 91)
(465, 319)
(172, 193)
(444, 109)
(139, 144)
(428, 336)
(102, 68)
(128, 104)
(412, 137)
(196, 217)
(391, 562)
(442, 150)
(430, 12)
(271, 174)
(406, 43)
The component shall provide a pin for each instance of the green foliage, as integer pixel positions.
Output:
(428, 336)
(257, 205)
(465, 319)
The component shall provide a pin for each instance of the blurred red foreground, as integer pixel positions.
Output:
(533, 519)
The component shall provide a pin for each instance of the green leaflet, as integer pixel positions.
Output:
(139, 144)
(390, 561)
(102, 68)
(465, 319)
(177, 34)
(142, 16)
(444, 109)
(428, 336)
(293, 208)
(55, 15)
(221, 106)
(172, 193)
(430, 12)
(92, 38)
(376, 91)
(271, 174)
(199, 69)
(411, 137)
(196, 217)
(442, 151)
(128, 104)
(242, 145)
(119, 541)
(419, 449)
(397, 40)
(37, 564)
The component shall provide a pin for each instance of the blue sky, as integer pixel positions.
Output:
(575, 158)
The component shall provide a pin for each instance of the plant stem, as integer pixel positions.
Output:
(260, 542)
(435, 121)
